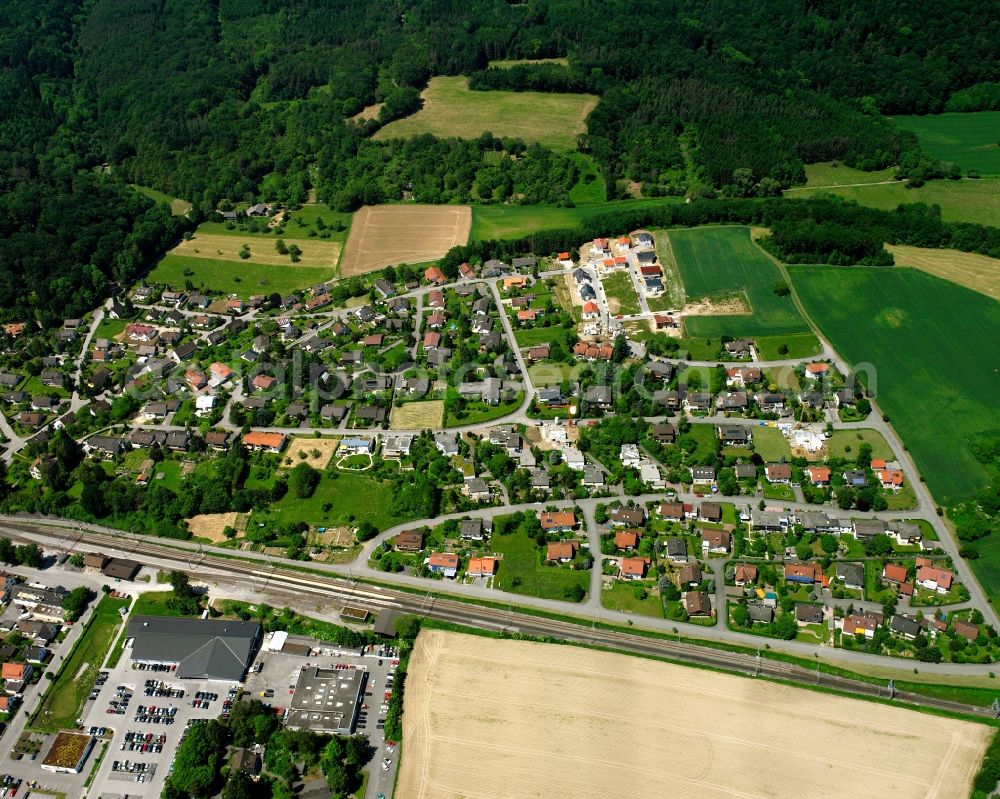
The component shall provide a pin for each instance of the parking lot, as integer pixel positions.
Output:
(148, 711)
(140, 715)
(279, 672)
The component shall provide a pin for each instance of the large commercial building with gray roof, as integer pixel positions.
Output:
(205, 649)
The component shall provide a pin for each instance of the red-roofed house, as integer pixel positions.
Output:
(819, 475)
(562, 551)
(482, 567)
(444, 563)
(935, 579)
(263, 382)
(591, 310)
(434, 275)
(632, 568)
(892, 479)
(626, 539)
(816, 370)
(893, 573)
(559, 520)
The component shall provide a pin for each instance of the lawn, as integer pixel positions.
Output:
(522, 570)
(720, 262)
(969, 140)
(517, 221)
(177, 207)
(845, 444)
(353, 497)
(778, 491)
(476, 412)
(928, 370)
(621, 596)
(549, 373)
(706, 438)
(451, 109)
(154, 603)
(960, 200)
(792, 345)
(621, 293)
(770, 444)
(534, 336)
(242, 278)
(66, 696)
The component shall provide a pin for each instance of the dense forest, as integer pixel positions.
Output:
(254, 99)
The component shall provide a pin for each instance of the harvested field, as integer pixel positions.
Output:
(491, 718)
(977, 272)
(219, 247)
(211, 525)
(417, 415)
(316, 451)
(386, 235)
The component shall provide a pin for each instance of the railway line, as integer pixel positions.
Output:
(511, 620)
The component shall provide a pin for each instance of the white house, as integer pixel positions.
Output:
(630, 455)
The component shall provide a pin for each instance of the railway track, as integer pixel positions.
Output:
(512, 621)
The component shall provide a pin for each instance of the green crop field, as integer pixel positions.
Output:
(516, 221)
(924, 337)
(969, 140)
(451, 108)
(242, 278)
(718, 262)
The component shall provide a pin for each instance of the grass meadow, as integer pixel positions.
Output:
(960, 200)
(717, 262)
(924, 338)
(969, 140)
(242, 278)
(178, 207)
(517, 221)
(451, 108)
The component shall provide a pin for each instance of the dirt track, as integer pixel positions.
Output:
(486, 718)
(386, 235)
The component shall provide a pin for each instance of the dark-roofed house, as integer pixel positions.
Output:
(697, 603)
(409, 541)
(904, 625)
(121, 569)
(808, 614)
(206, 649)
(247, 761)
(852, 575)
